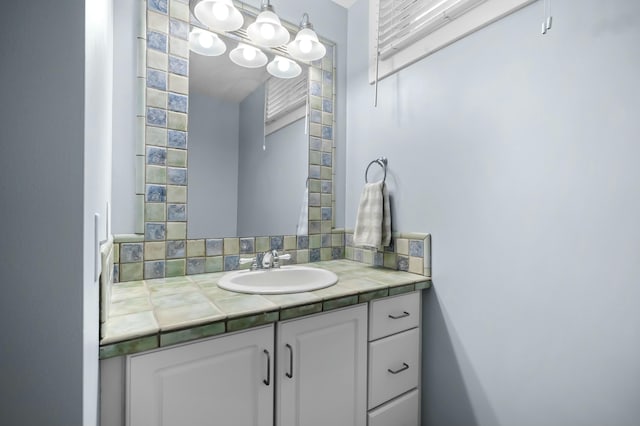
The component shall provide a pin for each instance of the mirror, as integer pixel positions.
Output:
(178, 173)
(241, 181)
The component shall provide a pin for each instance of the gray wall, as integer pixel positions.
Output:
(271, 182)
(213, 166)
(519, 153)
(49, 306)
(125, 19)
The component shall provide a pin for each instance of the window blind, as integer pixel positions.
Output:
(401, 22)
(284, 96)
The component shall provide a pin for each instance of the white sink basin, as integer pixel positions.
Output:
(287, 279)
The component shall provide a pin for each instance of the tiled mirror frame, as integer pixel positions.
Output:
(161, 248)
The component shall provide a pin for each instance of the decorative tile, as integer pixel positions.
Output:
(402, 246)
(402, 263)
(156, 174)
(175, 268)
(303, 242)
(292, 299)
(371, 295)
(131, 252)
(177, 121)
(177, 212)
(177, 102)
(195, 248)
(176, 249)
(154, 231)
(327, 105)
(177, 158)
(231, 263)
(178, 66)
(214, 247)
(129, 347)
(177, 139)
(277, 242)
(179, 29)
(262, 244)
(401, 289)
(183, 316)
(299, 311)
(156, 194)
(247, 245)
(290, 242)
(416, 248)
(156, 156)
(176, 230)
(314, 255)
(193, 333)
(178, 299)
(157, 41)
(154, 251)
(176, 176)
(130, 326)
(231, 246)
(154, 269)
(195, 265)
(341, 302)
(156, 98)
(327, 132)
(315, 88)
(244, 304)
(326, 213)
(416, 265)
(337, 253)
(129, 306)
(156, 136)
(213, 264)
(158, 5)
(176, 194)
(237, 324)
(156, 117)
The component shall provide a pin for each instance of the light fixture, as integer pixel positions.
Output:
(267, 31)
(306, 46)
(283, 68)
(248, 56)
(219, 15)
(206, 43)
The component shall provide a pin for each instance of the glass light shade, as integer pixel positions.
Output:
(283, 68)
(206, 43)
(219, 15)
(248, 56)
(306, 46)
(267, 31)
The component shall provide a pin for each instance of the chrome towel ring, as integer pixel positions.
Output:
(382, 162)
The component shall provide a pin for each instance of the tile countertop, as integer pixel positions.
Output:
(154, 313)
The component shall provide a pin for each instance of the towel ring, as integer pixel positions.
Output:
(382, 162)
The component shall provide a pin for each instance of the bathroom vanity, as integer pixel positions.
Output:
(345, 355)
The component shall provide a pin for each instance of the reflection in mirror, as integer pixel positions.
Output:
(241, 182)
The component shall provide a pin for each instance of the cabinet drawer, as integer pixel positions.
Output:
(402, 411)
(394, 314)
(394, 366)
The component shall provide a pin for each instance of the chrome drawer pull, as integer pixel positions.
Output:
(290, 373)
(404, 314)
(405, 366)
(267, 381)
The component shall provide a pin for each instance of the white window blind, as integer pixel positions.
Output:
(285, 101)
(405, 31)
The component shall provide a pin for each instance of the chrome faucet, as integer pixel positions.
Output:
(268, 260)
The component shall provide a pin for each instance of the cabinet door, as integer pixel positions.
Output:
(220, 381)
(322, 367)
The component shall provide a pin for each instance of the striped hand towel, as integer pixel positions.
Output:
(373, 222)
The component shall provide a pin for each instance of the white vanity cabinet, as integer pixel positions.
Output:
(394, 361)
(322, 369)
(226, 380)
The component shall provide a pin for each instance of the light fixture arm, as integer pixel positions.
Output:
(266, 5)
(304, 23)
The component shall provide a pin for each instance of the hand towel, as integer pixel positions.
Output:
(303, 218)
(373, 222)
